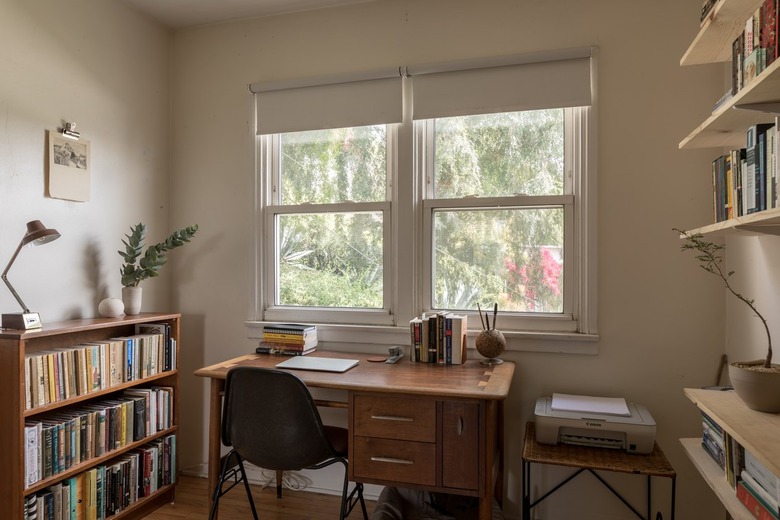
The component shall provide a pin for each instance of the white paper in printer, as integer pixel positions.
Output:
(585, 403)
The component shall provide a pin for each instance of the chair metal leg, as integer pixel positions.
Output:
(227, 467)
(246, 486)
(351, 499)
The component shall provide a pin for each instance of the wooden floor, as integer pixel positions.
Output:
(192, 504)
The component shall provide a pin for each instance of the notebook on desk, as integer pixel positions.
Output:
(318, 363)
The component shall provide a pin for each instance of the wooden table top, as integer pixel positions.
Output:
(470, 380)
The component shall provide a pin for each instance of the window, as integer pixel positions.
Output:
(329, 213)
(499, 215)
(481, 195)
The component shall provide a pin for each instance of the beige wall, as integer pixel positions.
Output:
(660, 320)
(107, 69)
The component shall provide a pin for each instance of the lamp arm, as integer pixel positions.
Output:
(5, 278)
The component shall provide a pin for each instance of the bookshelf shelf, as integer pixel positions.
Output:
(723, 24)
(762, 223)
(757, 432)
(713, 475)
(727, 125)
(14, 346)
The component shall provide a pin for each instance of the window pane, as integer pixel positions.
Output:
(329, 166)
(510, 256)
(497, 155)
(330, 260)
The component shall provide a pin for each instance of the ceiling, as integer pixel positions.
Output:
(187, 13)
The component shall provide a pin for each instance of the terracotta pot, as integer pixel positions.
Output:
(760, 390)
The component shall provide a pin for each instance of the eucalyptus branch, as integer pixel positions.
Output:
(155, 256)
(710, 259)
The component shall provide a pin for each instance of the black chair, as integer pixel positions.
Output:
(270, 419)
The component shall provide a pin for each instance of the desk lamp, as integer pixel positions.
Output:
(37, 234)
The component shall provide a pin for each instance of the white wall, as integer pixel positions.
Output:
(660, 320)
(107, 69)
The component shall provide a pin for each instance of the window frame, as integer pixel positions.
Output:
(404, 265)
(575, 122)
(269, 176)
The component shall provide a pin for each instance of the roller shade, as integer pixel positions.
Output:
(505, 84)
(318, 104)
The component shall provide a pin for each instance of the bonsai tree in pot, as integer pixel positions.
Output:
(748, 378)
(137, 268)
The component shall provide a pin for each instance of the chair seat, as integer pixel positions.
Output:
(338, 438)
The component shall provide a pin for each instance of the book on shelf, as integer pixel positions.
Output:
(769, 500)
(750, 500)
(706, 7)
(755, 48)
(108, 489)
(762, 475)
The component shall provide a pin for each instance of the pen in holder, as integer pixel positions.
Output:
(490, 342)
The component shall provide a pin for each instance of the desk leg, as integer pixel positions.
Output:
(493, 449)
(215, 435)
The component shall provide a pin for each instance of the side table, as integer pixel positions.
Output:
(591, 459)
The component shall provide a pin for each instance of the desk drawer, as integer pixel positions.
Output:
(407, 419)
(394, 461)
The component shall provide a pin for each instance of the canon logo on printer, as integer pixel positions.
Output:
(589, 423)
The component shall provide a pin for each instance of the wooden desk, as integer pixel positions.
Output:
(590, 459)
(437, 428)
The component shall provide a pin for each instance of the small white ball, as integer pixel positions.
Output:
(111, 308)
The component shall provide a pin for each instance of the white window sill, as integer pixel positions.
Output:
(363, 338)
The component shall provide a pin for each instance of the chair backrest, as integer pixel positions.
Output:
(270, 418)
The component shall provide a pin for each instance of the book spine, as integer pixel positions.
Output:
(756, 508)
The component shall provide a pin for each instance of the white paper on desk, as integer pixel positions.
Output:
(585, 403)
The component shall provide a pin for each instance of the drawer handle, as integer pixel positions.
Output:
(391, 460)
(392, 418)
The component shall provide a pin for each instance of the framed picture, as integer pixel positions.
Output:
(69, 164)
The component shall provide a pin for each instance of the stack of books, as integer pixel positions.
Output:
(759, 489)
(438, 337)
(291, 339)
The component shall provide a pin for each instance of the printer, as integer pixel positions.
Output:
(590, 421)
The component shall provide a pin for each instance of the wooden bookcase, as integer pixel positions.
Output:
(757, 432)
(14, 344)
(758, 102)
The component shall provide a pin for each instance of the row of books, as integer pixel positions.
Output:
(62, 373)
(745, 180)
(755, 485)
(106, 490)
(291, 339)
(439, 337)
(756, 47)
(59, 440)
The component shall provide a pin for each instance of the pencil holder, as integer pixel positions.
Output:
(490, 344)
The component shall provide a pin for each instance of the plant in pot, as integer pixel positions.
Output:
(757, 383)
(138, 268)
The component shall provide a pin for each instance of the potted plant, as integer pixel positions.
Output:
(757, 383)
(137, 268)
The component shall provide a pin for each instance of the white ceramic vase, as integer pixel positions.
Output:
(132, 296)
(111, 308)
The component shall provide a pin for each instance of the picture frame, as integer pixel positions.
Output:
(69, 167)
